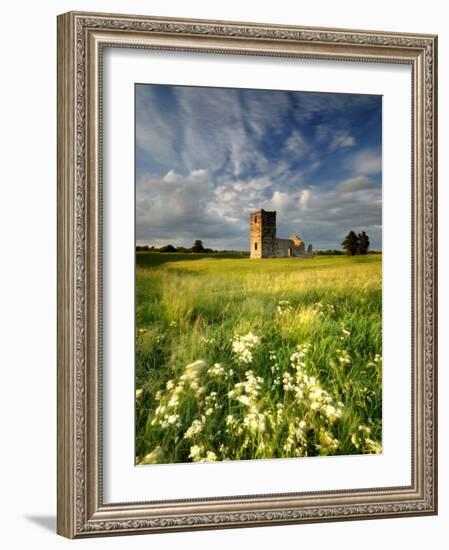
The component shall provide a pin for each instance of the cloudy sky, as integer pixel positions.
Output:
(207, 157)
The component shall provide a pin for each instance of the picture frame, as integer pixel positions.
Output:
(82, 40)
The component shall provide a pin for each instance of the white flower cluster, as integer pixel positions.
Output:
(362, 440)
(250, 388)
(195, 428)
(165, 414)
(324, 310)
(308, 388)
(283, 307)
(217, 370)
(343, 357)
(242, 347)
(154, 457)
(247, 394)
(377, 361)
(199, 454)
(275, 370)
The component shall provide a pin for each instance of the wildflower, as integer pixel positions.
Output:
(328, 442)
(242, 346)
(173, 419)
(193, 370)
(323, 310)
(343, 357)
(209, 411)
(139, 392)
(216, 370)
(210, 456)
(230, 420)
(243, 399)
(332, 413)
(283, 307)
(373, 446)
(287, 379)
(255, 421)
(196, 452)
(194, 429)
(173, 402)
(154, 457)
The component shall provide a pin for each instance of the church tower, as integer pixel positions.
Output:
(262, 234)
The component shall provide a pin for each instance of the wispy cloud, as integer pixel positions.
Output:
(206, 157)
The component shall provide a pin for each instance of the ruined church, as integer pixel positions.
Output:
(265, 244)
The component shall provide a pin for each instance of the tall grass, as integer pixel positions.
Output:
(242, 359)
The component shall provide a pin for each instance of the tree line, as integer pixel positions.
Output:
(355, 244)
(197, 248)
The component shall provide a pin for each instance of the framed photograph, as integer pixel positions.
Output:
(246, 274)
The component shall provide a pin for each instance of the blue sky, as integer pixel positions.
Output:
(207, 157)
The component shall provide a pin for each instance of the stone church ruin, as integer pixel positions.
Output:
(265, 244)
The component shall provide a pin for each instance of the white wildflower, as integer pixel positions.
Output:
(194, 429)
(242, 347)
(210, 456)
(196, 452)
(216, 370)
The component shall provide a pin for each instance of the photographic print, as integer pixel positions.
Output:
(258, 274)
(239, 252)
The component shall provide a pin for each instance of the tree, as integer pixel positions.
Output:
(198, 246)
(350, 244)
(363, 243)
(167, 248)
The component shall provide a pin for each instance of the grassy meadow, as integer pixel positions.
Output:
(244, 359)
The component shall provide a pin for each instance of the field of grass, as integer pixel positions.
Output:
(242, 359)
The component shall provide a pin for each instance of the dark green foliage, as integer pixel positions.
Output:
(198, 246)
(168, 248)
(356, 244)
(350, 244)
(363, 243)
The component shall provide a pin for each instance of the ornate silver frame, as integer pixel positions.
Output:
(81, 38)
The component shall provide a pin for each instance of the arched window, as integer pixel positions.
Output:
(255, 246)
(255, 219)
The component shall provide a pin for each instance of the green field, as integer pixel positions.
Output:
(241, 359)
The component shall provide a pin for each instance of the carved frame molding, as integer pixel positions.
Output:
(81, 39)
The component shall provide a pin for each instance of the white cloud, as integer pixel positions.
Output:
(366, 162)
(304, 197)
(325, 216)
(342, 139)
(180, 209)
(356, 184)
(333, 138)
(297, 145)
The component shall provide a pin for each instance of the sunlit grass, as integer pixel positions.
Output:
(242, 359)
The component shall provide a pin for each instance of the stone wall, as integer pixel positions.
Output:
(263, 241)
(286, 248)
(263, 234)
(255, 235)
